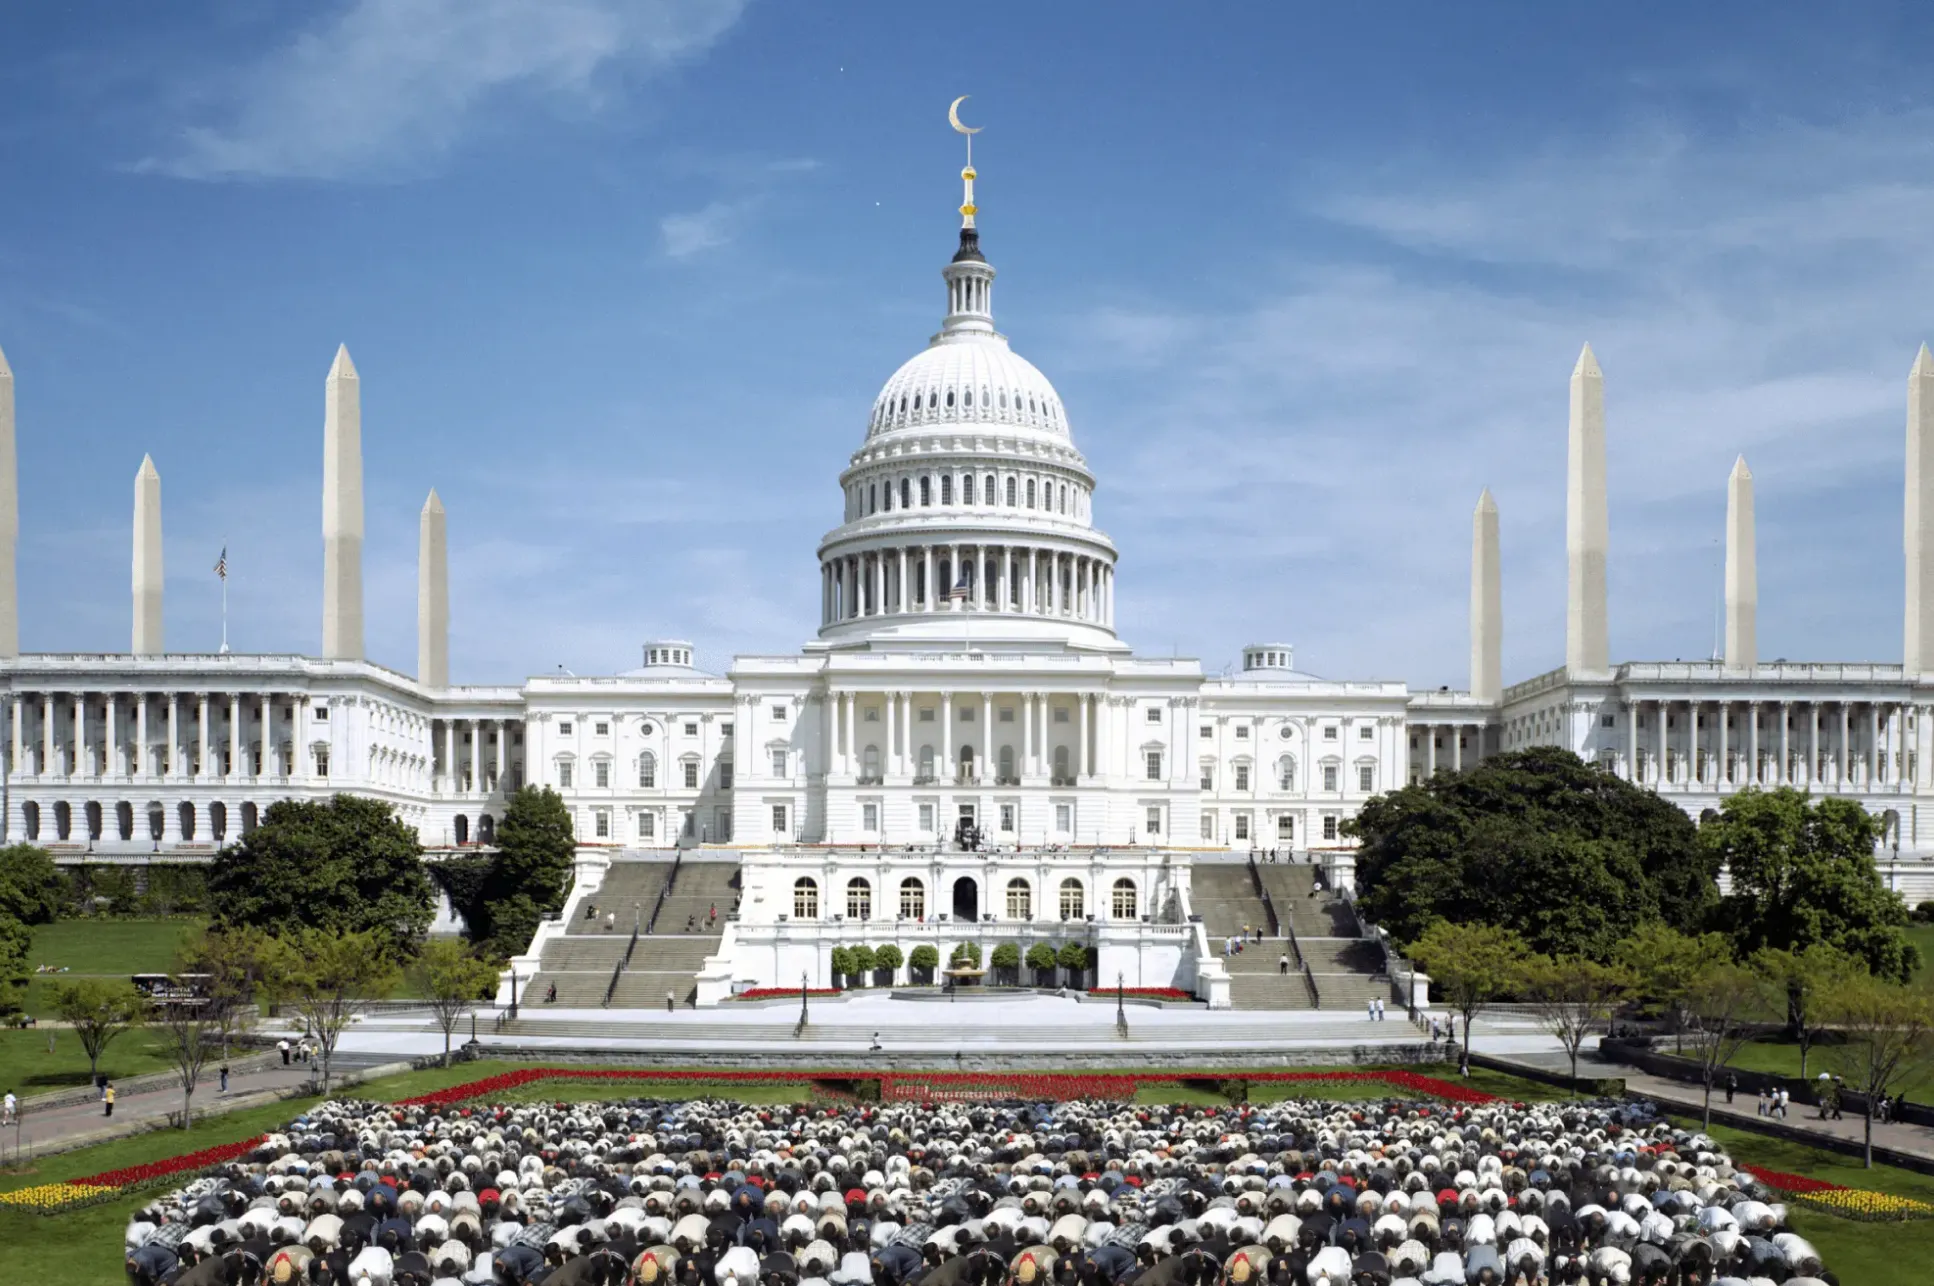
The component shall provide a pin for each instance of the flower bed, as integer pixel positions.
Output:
(53, 1198)
(1142, 993)
(1838, 1199)
(782, 993)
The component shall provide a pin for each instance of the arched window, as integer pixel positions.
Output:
(1010, 493)
(926, 492)
(1286, 773)
(30, 813)
(989, 492)
(124, 819)
(187, 811)
(1064, 498)
(1074, 903)
(872, 496)
(870, 758)
(64, 821)
(1007, 764)
(1061, 775)
(648, 770)
(1030, 493)
(94, 821)
(926, 763)
(967, 490)
(250, 816)
(966, 763)
(1020, 900)
(913, 900)
(859, 900)
(461, 829)
(805, 899)
(906, 494)
(946, 488)
(487, 829)
(1122, 901)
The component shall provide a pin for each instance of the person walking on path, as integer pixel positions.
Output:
(107, 1097)
(224, 1078)
(9, 1109)
(1732, 1085)
(1370, 1010)
(1762, 1101)
(283, 1046)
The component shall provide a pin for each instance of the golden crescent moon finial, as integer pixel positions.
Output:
(953, 116)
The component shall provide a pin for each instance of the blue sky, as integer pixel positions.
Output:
(622, 279)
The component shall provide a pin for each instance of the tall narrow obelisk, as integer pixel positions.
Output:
(342, 512)
(1919, 516)
(1742, 572)
(1587, 649)
(432, 597)
(9, 519)
(1487, 611)
(147, 560)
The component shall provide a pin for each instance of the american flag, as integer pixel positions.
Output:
(961, 589)
(221, 564)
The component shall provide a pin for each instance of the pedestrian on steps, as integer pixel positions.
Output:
(671, 1005)
(1282, 963)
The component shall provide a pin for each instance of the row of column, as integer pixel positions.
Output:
(1454, 752)
(128, 747)
(1003, 578)
(845, 753)
(460, 773)
(1772, 755)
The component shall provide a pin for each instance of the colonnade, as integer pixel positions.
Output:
(155, 736)
(1461, 744)
(964, 739)
(1024, 579)
(1827, 745)
(463, 765)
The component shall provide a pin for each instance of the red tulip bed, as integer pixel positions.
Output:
(1838, 1199)
(54, 1198)
(1142, 993)
(777, 993)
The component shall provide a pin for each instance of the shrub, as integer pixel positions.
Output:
(864, 958)
(1006, 956)
(1924, 913)
(1041, 957)
(889, 957)
(1072, 956)
(924, 957)
(842, 962)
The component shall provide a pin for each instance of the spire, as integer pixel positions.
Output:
(1487, 613)
(342, 511)
(1918, 517)
(147, 560)
(432, 597)
(1742, 572)
(1587, 650)
(9, 519)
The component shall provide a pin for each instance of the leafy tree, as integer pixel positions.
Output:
(99, 1011)
(31, 887)
(1006, 958)
(236, 963)
(1801, 872)
(531, 873)
(15, 942)
(458, 978)
(330, 976)
(842, 963)
(1074, 958)
(889, 958)
(346, 865)
(1472, 965)
(925, 957)
(1535, 841)
(1041, 959)
(1804, 978)
(1724, 1001)
(1887, 1037)
(1575, 997)
(1667, 965)
(864, 958)
(190, 1033)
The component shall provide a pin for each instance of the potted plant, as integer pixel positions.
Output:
(1074, 958)
(842, 965)
(887, 961)
(1007, 961)
(924, 960)
(864, 961)
(1041, 959)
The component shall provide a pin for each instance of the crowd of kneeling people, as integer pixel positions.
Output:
(1091, 1193)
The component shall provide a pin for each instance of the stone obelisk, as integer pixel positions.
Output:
(342, 512)
(9, 519)
(432, 597)
(1487, 611)
(1587, 649)
(1742, 572)
(147, 560)
(1918, 538)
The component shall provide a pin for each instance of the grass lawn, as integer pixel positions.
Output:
(1922, 936)
(27, 1068)
(116, 948)
(1782, 1057)
(1873, 1254)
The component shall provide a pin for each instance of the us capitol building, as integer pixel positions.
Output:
(966, 739)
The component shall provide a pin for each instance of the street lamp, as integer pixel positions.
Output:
(804, 983)
(1121, 1005)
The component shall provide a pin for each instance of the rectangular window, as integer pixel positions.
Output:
(779, 762)
(322, 714)
(869, 817)
(1329, 777)
(1154, 821)
(1242, 732)
(1366, 778)
(1063, 818)
(1208, 826)
(778, 819)
(1242, 776)
(647, 826)
(946, 488)
(1329, 828)
(601, 824)
(926, 714)
(322, 763)
(647, 772)
(1007, 714)
(778, 713)
(926, 818)
(1007, 818)
(966, 714)
(601, 729)
(872, 714)
(1154, 765)
(1154, 714)
(601, 771)
(1606, 722)
(564, 728)
(1060, 714)
(1242, 826)
(690, 825)
(564, 774)
(725, 774)
(1208, 732)
(691, 775)
(1329, 733)
(725, 730)
(1365, 733)
(1208, 777)
(691, 729)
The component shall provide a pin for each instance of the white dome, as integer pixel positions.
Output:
(967, 378)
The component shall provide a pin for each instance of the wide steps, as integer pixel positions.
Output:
(1223, 894)
(822, 1027)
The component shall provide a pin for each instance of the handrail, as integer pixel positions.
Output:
(1268, 906)
(665, 891)
(611, 988)
(1309, 982)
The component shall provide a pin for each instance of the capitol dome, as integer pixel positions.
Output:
(960, 380)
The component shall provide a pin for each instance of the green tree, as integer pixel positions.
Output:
(236, 963)
(1724, 1002)
(1074, 958)
(1472, 965)
(1041, 959)
(842, 964)
(99, 1011)
(1886, 1037)
(458, 978)
(1575, 997)
(1667, 963)
(31, 887)
(1801, 872)
(925, 957)
(531, 873)
(189, 1032)
(889, 958)
(330, 976)
(16, 940)
(1803, 978)
(1535, 841)
(864, 959)
(347, 865)
(1007, 959)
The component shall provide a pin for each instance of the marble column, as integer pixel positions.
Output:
(172, 760)
(1725, 744)
(111, 765)
(235, 736)
(201, 736)
(268, 727)
(1083, 768)
(143, 762)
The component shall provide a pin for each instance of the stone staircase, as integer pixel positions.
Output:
(581, 962)
(825, 1026)
(1225, 897)
(1347, 971)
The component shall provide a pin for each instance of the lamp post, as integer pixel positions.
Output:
(1121, 1005)
(804, 983)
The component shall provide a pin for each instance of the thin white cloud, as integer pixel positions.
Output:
(696, 231)
(381, 87)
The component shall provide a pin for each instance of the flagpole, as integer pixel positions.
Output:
(224, 616)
